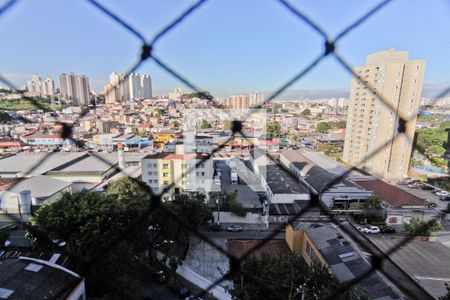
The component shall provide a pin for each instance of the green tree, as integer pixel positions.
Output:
(273, 129)
(229, 203)
(4, 236)
(126, 188)
(341, 124)
(205, 125)
(278, 277)
(323, 127)
(319, 116)
(90, 224)
(4, 117)
(417, 227)
(306, 113)
(372, 203)
(227, 125)
(189, 209)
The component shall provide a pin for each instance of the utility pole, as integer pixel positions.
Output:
(218, 209)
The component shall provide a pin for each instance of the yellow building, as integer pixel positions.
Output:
(324, 244)
(163, 137)
(161, 170)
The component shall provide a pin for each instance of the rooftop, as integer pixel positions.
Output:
(40, 186)
(344, 261)
(173, 156)
(314, 175)
(25, 162)
(239, 247)
(25, 278)
(391, 194)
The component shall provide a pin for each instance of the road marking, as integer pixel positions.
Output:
(432, 278)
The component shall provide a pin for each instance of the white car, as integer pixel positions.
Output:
(234, 228)
(372, 229)
(442, 194)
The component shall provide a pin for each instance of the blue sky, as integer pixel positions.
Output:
(226, 46)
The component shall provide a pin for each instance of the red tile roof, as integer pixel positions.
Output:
(173, 156)
(237, 247)
(391, 194)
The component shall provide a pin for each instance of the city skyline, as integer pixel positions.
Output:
(251, 70)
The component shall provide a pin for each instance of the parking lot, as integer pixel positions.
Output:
(424, 194)
(245, 196)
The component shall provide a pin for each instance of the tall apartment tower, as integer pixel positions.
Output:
(238, 102)
(256, 98)
(118, 89)
(146, 86)
(75, 88)
(39, 87)
(135, 85)
(372, 124)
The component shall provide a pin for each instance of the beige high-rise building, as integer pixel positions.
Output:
(238, 102)
(372, 124)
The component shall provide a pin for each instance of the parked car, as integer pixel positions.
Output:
(360, 229)
(402, 182)
(215, 228)
(234, 228)
(415, 185)
(159, 276)
(372, 229)
(183, 292)
(387, 229)
(427, 187)
(445, 198)
(192, 297)
(442, 194)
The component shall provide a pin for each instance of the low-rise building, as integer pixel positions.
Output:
(343, 194)
(161, 170)
(281, 187)
(323, 244)
(33, 278)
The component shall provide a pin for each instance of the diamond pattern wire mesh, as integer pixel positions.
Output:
(380, 261)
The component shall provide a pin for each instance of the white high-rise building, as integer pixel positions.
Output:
(39, 87)
(75, 88)
(118, 89)
(135, 86)
(146, 86)
(176, 94)
(371, 125)
(256, 98)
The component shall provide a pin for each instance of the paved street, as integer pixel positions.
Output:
(428, 263)
(395, 274)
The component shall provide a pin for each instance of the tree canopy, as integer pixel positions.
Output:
(106, 233)
(280, 277)
(273, 129)
(417, 227)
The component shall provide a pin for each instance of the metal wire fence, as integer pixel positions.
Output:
(380, 261)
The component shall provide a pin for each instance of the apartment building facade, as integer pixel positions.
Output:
(160, 170)
(373, 124)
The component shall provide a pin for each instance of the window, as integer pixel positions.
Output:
(155, 165)
(150, 181)
(150, 173)
(166, 182)
(165, 174)
(165, 166)
(203, 173)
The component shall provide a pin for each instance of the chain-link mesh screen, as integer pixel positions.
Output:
(380, 261)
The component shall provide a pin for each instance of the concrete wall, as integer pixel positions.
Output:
(228, 217)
